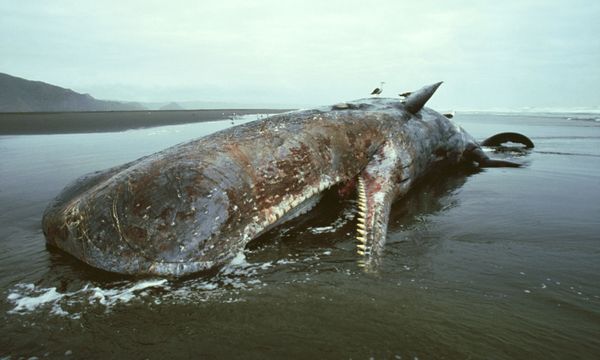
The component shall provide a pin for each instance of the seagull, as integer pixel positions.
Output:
(405, 94)
(449, 115)
(378, 90)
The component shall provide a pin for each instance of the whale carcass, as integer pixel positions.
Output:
(196, 205)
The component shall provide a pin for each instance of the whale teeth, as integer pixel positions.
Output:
(362, 198)
(361, 185)
(278, 213)
(361, 248)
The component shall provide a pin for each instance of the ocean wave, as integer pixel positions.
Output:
(27, 298)
(565, 153)
(584, 118)
(239, 274)
(229, 285)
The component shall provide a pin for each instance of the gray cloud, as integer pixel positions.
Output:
(491, 54)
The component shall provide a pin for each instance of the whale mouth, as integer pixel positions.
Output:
(371, 225)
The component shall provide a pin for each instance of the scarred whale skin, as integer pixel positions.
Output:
(196, 205)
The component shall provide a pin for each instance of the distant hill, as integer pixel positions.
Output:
(21, 95)
(172, 106)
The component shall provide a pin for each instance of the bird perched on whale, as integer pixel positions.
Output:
(378, 90)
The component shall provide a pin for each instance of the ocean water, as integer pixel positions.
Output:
(496, 264)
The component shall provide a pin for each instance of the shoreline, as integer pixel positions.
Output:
(41, 123)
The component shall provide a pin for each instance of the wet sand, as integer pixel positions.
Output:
(110, 121)
(501, 263)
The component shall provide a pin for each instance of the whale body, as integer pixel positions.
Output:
(196, 205)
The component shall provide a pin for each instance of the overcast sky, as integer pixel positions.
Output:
(491, 54)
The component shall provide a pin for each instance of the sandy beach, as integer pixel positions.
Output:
(110, 121)
(473, 261)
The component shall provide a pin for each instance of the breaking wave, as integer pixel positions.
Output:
(224, 286)
(228, 285)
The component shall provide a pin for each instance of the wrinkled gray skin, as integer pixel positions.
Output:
(196, 205)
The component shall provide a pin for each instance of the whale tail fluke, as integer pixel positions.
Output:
(499, 139)
(417, 99)
(475, 153)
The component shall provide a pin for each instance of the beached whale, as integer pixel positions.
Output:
(196, 205)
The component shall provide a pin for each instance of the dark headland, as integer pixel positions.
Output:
(22, 95)
(35, 107)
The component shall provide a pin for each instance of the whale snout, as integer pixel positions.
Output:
(165, 224)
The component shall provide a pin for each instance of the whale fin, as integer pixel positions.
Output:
(375, 190)
(417, 99)
(475, 153)
(500, 138)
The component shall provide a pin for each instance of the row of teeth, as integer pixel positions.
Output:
(361, 247)
(278, 212)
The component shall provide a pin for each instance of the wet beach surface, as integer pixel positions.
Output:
(499, 264)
